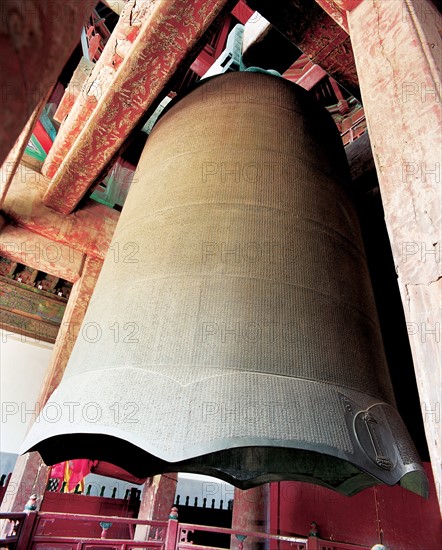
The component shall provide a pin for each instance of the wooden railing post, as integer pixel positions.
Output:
(172, 530)
(313, 537)
(26, 531)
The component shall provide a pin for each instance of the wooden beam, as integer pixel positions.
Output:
(28, 311)
(167, 36)
(24, 247)
(118, 48)
(38, 36)
(74, 89)
(310, 75)
(88, 231)
(317, 35)
(335, 11)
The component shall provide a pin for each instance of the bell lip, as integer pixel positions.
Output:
(413, 476)
(191, 452)
(181, 449)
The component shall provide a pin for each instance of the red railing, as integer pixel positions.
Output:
(41, 530)
(38, 531)
(185, 529)
(16, 530)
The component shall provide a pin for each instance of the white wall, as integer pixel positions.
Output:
(23, 363)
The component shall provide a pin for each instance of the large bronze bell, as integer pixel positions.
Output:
(235, 334)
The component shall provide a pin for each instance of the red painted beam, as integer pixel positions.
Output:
(43, 137)
(335, 11)
(348, 5)
(24, 247)
(88, 231)
(209, 55)
(166, 38)
(73, 90)
(118, 47)
(317, 35)
(242, 12)
(202, 63)
(311, 77)
(307, 77)
(38, 36)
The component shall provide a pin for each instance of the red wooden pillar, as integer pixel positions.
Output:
(70, 326)
(156, 501)
(398, 54)
(251, 510)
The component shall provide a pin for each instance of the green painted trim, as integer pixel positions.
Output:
(35, 150)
